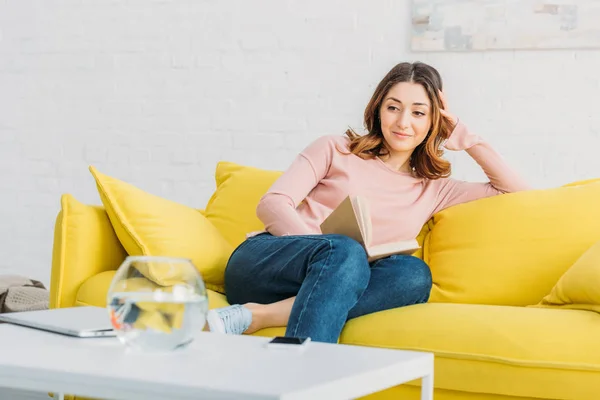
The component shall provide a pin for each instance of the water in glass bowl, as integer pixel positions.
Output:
(157, 321)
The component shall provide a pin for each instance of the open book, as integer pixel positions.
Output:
(351, 218)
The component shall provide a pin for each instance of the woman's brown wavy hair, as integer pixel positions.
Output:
(426, 160)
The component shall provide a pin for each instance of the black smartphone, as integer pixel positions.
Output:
(285, 341)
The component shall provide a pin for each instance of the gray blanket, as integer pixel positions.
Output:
(18, 293)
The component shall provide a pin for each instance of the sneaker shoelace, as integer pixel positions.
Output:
(236, 319)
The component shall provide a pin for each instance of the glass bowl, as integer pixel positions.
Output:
(157, 303)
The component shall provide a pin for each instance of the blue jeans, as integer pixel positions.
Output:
(330, 276)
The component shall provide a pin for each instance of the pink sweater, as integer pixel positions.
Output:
(321, 177)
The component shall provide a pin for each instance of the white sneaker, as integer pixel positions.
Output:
(231, 320)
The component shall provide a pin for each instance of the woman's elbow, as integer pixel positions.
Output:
(262, 207)
(518, 187)
(270, 202)
(521, 186)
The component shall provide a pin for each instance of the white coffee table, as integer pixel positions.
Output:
(212, 367)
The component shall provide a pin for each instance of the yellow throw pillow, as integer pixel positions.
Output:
(510, 249)
(583, 182)
(579, 287)
(232, 207)
(150, 225)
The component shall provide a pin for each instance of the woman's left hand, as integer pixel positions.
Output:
(444, 111)
(459, 137)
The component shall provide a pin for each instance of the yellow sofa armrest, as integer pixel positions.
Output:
(85, 244)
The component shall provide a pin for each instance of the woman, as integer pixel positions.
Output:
(292, 275)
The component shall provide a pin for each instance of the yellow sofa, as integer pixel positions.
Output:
(491, 322)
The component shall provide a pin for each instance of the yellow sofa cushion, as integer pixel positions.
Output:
(84, 244)
(94, 290)
(150, 225)
(513, 351)
(232, 207)
(579, 287)
(511, 249)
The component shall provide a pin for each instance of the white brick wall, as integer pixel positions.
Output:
(155, 92)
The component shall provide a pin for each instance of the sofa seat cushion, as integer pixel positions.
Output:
(94, 290)
(93, 293)
(505, 350)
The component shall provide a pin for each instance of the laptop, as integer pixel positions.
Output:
(81, 322)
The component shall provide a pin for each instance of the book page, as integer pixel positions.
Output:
(344, 220)
(384, 250)
(361, 207)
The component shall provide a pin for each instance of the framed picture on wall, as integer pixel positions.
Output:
(475, 25)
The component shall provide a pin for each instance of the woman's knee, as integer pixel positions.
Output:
(420, 279)
(422, 274)
(414, 273)
(344, 257)
(346, 244)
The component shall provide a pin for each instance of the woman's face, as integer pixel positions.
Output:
(405, 116)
